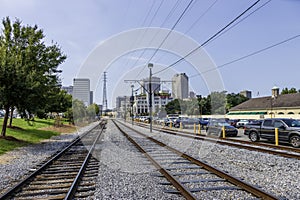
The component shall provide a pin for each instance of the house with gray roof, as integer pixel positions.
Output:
(284, 105)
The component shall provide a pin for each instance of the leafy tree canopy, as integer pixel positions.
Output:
(28, 68)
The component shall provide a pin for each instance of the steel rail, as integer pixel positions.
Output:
(77, 179)
(246, 186)
(242, 144)
(181, 188)
(19, 185)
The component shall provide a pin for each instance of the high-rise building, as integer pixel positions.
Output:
(246, 93)
(180, 86)
(155, 85)
(81, 90)
(91, 97)
(68, 89)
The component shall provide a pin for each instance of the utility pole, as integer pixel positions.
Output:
(131, 103)
(150, 66)
(148, 90)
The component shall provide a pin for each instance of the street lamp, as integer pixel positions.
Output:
(131, 103)
(150, 66)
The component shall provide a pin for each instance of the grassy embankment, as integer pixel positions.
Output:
(24, 133)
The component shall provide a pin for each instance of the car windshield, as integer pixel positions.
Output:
(292, 122)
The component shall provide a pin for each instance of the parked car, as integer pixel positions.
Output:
(161, 121)
(233, 122)
(169, 120)
(215, 128)
(242, 123)
(288, 130)
(252, 123)
(185, 121)
(204, 121)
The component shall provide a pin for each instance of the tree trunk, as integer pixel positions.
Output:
(11, 117)
(3, 132)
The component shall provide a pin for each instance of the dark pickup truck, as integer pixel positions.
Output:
(288, 130)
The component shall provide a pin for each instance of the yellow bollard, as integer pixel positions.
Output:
(170, 124)
(223, 132)
(180, 125)
(195, 128)
(276, 136)
(199, 129)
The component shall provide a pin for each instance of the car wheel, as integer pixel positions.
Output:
(253, 136)
(295, 141)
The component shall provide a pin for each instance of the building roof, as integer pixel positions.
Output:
(282, 101)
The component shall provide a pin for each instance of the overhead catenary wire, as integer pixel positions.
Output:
(170, 31)
(144, 23)
(177, 21)
(248, 55)
(234, 25)
(209, 39)
(194, 23)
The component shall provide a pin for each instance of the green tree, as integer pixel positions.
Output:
(204, 105)
(218, 102)
(92, 111)
(233, 99)
(79, 111)
(289, 91)
(173, 107)
(28, 68)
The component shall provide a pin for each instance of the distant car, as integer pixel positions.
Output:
(233, 122)
(242, 123)
(169, 120)
(204, 121)
(215, 128)
(185, 121)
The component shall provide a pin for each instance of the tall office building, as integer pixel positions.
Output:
(180, 86)
(246, 93)
(155, 85)
(68, 89)
(81, 90)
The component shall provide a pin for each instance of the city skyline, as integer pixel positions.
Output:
(255, 54)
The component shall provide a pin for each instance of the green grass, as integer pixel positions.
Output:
(24, 133)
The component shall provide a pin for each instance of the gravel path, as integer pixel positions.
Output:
(278, 175)
(19, 162)
(126, 174)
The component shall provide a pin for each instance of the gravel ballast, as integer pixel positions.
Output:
(274, 174)
(124, 173)
(23, 160)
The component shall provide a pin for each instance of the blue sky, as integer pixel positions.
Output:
(80, 26)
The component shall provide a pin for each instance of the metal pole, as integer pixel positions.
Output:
(132, 101)
(150, 65)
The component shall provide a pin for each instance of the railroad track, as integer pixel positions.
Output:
(185, 174)
(288, 152)
(68, 174)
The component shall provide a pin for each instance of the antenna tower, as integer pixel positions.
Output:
(104, 101)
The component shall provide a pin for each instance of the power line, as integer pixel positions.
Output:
(195, 22)
(234, 25)
(211, 38)
(155, 14)
(144, 23)
(248, 55)
(177, 21)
